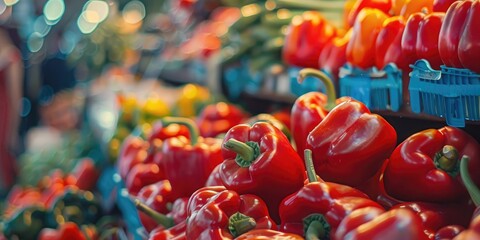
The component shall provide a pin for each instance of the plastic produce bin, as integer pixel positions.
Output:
(377, 89)
(451, 93)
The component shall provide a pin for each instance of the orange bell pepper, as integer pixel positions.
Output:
(397, 6)
(414, 6)
(382, 5)
(361, 48)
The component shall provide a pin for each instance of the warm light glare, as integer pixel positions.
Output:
(10, 2)
(250, 10)
(133, 12)
(85, 26)
(54, 10)
(95, 11)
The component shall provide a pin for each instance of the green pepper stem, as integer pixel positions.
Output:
(331, 94)
(448, 160)
(159, 218)
(312, 175)
(189, 123)
(315, 227)
(247, 152)
(239, 224)
(468, 182)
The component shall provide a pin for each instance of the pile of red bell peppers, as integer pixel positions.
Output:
(379, 32)
(341, 175)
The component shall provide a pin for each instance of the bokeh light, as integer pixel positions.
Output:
(95, 11)
(85, 26)
(54, 10)
(133, 12)
(35, 42)
(41, 26)
(10, 2)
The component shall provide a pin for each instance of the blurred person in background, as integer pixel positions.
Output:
(11, 80)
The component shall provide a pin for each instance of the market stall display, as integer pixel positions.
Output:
(270, 119)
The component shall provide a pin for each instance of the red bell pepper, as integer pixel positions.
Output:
(388, 47)
(429, 160)
(85, 174)
(420, 37)
(449, 232)
(177, 232)
(133, 151)
(156, 196)
(263, 234)
(451, 32)
(382, 5)
(256, 159)
(176, 216)
(361, 47)
(375, 223)
(189, 163)
(306, 36)
(218, 118)
(228, 215)
(142, 175)
(469, 45)
(334, 55)
(351, 144)
(442, 5)
(161, 132)
(318, 207)
(311, 108)
(214, 179)
(68, 230)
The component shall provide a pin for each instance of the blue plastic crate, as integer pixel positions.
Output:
(113, 191)
(377, 89)
(451, 93)
(309, 84)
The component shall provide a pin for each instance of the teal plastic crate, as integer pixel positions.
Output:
(377, 89)
(451, 93)
(309, 84)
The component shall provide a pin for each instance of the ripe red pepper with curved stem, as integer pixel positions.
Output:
(256, 159)
(218, 118)
(375, 223)
(350, 144)
(429, 160)
(157, 220)
(316, 210)
(311, 108)
(228, 215)
(189, 163)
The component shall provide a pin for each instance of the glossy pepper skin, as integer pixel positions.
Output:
(375, 223)
(218, 118)
(189, 162)
(442, 5)
(420, 37)
(228, 215)
(311, 108)
(361, 47)
(156, 196)
(214, 179)
(429, 160)
(142, 175)
(351, 144)
(382, 5)
(263, 234)
(388, 47)
(177, 232)
(469, 45)
(413, 6)
(334, 55)
(134, 150)
(256, 159)
(316, 209)
(451, 32)
(306, 36)
(448, 232)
